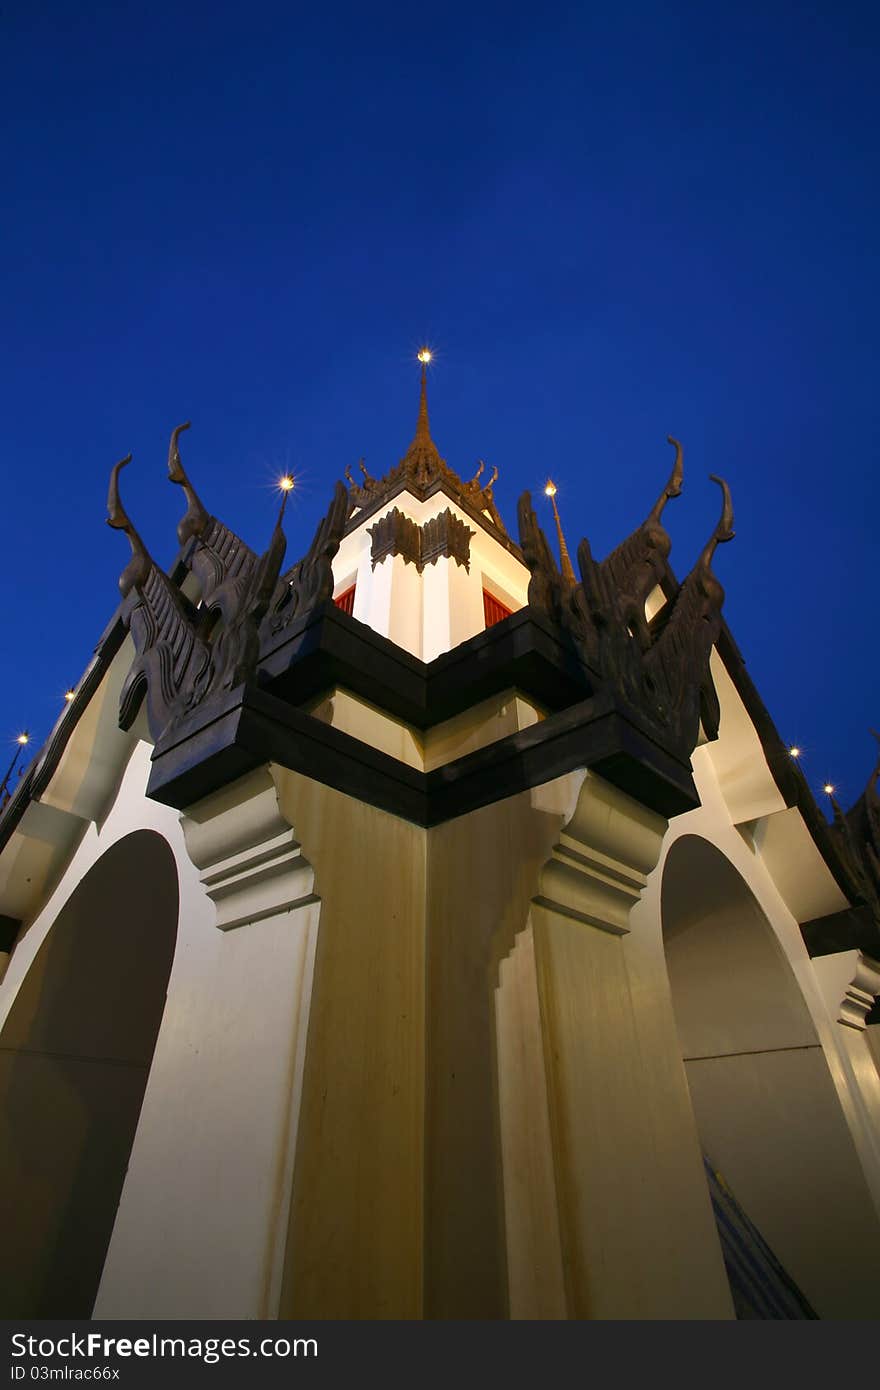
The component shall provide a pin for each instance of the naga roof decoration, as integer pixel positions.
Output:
(185, 654)
(420, 468)
(660, 669)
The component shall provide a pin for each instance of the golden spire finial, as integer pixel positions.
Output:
(564, 557)
(286, 484)
(422, 459)
(423, 427)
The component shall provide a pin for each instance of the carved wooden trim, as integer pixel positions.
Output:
(395, 534)
(445, 535)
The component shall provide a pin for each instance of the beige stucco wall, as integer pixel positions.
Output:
(355, 1240)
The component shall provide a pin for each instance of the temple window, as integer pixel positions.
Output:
(493, 609)
(345, 600)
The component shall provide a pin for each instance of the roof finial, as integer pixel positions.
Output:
(422, 461)
(423, 428)
(564, 557)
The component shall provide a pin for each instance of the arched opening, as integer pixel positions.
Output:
(767, 1113)
(75, 1053)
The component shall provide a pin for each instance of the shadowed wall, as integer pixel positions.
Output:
(75, 1054)
(764, 1101)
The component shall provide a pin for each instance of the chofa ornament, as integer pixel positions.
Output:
(658, 669)
(184, 654)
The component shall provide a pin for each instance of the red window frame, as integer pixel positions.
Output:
(494, 611)
(345, 600)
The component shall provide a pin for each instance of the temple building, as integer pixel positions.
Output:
(432, 929)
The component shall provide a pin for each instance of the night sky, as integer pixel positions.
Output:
(611, 222)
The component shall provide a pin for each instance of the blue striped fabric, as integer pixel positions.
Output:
(759, 1285)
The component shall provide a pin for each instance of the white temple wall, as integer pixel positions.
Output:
(202, 1219)
(431, 612)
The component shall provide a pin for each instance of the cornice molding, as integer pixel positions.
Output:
(251, 865)
(862, 990)
(600, 864)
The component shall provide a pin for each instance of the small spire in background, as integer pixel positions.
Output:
(564, 557)
(286, 485)
(22, 740)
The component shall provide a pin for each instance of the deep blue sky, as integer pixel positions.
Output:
(613, 222)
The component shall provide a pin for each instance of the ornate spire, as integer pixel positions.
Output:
(423, 426)
(422, 467)
(422, 459)
(566, 566)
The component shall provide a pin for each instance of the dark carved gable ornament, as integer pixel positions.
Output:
(172, 666)
(395, 534)
(638, 564)
(660, 670)
(443, 535)
(220, 555)
(446, 535)
(185, 654)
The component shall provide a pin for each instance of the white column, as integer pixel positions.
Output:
(849, 981)
(202, 1223)
(453, 606)
(632, 1247)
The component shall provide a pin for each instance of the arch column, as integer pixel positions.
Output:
(632, 1245)
(218, 1132)
(850, 984)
